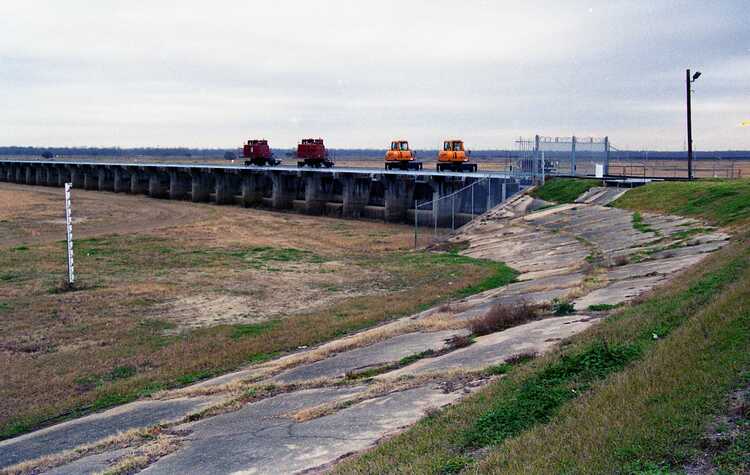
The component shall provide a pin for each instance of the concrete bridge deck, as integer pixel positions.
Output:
(348, 192)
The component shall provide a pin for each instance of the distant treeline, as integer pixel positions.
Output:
(352, 153)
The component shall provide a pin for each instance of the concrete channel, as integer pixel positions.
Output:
(388, 195)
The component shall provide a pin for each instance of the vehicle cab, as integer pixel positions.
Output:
(453, 151)
(399, 151)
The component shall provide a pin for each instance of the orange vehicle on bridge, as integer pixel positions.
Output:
(401, 157)
(454, 158)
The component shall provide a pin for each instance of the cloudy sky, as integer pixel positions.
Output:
(358, 73)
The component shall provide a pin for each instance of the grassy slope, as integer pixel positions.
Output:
(689, 346)
(722, 202)
(564, 190)
(138, 357)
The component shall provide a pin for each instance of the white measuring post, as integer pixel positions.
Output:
(69, 231)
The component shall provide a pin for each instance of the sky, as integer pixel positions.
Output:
(361, 73)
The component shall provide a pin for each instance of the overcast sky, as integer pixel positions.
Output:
(359, 73)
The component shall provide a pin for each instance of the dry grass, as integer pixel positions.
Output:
(501, 317)
(121, 336)
(145, 455)
(47, 462)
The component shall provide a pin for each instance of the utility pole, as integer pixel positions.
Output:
(688, 81)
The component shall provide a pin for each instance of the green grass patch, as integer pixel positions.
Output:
(11, 277)
(688, 233)
(735, 459)
(562, 307)
(500, 274)
(253, 329)
(541, 396)
(564, 190)
(603, 307)
(722, 202)
(639, 224)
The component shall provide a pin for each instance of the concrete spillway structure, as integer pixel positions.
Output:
(346, 193)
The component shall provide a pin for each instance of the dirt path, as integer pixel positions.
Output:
(306, 410)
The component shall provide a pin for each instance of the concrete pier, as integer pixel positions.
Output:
(30, 174)
(76, 177)
(179, 185)
(138, 183)
(106, 180)
(355, 196)
(90, 179)
(157, 188)
(120, 180)
(40, 176)
(318, 190)
(51, 178)
(252, 189)
(224, 189)
(200, 186)
(284, 190)
(399, 194)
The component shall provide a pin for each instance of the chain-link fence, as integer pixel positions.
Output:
(435, 219)
(563, 156)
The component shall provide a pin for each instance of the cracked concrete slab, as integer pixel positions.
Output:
(92, 464)
(389, 351)
(86, 430)
(488, 350)
(618, 292)
(664, 266)
(254, 440)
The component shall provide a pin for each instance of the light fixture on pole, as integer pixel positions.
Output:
(688, 81)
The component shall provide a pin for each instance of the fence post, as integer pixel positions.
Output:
(435, 200)
(573, 158)
(489, 194)
(472, 200)
(453, 212)
(416, 225)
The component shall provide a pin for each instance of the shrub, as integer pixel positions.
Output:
(501, 317)
(562, 307)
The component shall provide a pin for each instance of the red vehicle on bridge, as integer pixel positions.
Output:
(257, 152)
(313, 153)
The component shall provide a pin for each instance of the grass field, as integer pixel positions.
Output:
(162, 307)
(634, 394)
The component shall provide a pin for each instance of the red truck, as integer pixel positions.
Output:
(257, 152)
(313, 153)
